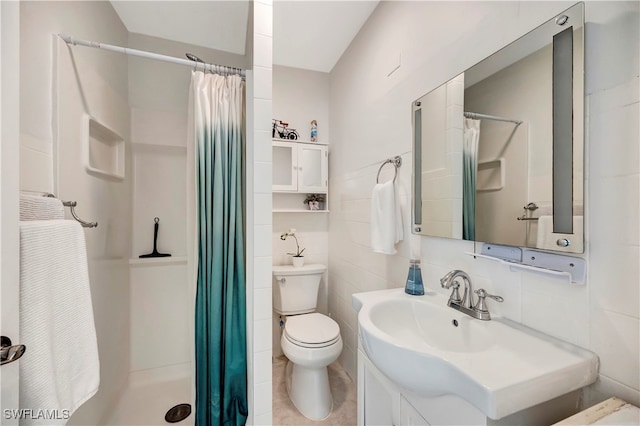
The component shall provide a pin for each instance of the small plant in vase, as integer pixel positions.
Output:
(314, 200)
(298, 258)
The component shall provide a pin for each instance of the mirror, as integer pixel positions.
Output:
(498, 149)
(311, 161)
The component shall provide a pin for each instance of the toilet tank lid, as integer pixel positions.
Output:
(300, 270)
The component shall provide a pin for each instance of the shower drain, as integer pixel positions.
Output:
(178, 413)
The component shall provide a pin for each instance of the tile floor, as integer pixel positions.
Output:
(147, 405)
(344, 399)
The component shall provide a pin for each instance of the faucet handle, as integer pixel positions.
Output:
(481, 305)
(455, 294)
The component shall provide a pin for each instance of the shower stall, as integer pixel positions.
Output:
(110, 131)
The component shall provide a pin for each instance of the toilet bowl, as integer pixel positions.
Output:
(311, 342)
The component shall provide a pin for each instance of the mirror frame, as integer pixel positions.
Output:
(568, 106)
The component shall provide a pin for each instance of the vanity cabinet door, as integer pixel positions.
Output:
(378, 397)
(378, 400)
(409, 416)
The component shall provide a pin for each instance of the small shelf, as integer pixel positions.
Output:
(158, 148)
(104, 154)
(158, 261)
(573, 269)
(298, 211)
(292, 202)
(298, 141)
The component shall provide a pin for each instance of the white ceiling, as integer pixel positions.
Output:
(314, 34)
(220, 25)
(306, 34)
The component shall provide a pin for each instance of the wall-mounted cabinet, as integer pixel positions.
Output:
(299, 168)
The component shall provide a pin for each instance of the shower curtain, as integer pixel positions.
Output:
(469, 175)
(217, 123)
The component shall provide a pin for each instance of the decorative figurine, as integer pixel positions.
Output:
(314, 131)
(282, 130)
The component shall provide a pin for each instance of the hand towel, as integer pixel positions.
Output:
(546, 238)
(386, 218)
(40, 208)
(60, 369)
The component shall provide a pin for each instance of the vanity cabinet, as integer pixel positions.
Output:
(299, 168)
(382, 402)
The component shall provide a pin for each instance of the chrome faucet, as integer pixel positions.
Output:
(448, 281)
(465, 303)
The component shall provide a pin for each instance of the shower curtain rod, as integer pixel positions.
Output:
(478, 116)
(208, 67)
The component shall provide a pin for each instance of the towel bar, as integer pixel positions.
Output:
(527, 218)
(72, 205)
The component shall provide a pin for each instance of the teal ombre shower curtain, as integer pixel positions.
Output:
(218, 121)
(469, 176)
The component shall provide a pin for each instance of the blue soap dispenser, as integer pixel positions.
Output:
(414, 284)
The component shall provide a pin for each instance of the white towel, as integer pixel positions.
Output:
(547, 240)
(40, 208)
(60, 369)
(386, 218)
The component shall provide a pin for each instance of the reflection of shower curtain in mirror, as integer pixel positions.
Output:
(469, 175)
(218, 120)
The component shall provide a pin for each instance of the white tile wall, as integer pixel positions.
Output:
(259, 227)
(616, 339)
(602, 315)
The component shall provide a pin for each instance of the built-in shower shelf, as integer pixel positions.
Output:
(159, 148)
(299, 211)
(570, 268)
(103, 150)
(159, 261)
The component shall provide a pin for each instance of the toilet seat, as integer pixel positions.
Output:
(311, 330)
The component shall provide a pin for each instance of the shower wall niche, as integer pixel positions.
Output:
(104, 149)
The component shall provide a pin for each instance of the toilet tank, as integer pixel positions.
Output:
(295, 289)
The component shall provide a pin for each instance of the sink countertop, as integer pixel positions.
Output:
(499, 366)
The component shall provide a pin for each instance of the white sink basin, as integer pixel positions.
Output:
(498, 366)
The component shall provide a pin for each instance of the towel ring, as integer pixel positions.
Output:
(396, 161)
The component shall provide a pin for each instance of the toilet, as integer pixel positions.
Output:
(310, 340)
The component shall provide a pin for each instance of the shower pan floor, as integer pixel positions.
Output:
(147, 404)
